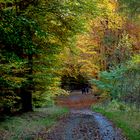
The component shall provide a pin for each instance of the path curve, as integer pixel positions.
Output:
(82, 123)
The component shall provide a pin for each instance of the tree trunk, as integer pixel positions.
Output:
(26, 92)
(26, 99)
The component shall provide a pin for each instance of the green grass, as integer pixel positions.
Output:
(28, 125)
(127, 120)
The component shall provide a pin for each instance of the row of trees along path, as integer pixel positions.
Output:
(82, 123)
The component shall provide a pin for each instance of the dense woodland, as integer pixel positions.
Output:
(46, 42)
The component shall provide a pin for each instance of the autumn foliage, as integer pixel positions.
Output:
(43, 43)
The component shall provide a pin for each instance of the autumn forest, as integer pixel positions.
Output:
(50, 48)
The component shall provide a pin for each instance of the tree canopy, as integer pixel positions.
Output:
(43, 41)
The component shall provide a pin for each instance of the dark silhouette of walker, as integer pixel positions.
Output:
(85, 89)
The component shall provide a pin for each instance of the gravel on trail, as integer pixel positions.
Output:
(83, 124)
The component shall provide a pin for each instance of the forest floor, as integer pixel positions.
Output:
(82, 123)
(31, 125)
(51, 124)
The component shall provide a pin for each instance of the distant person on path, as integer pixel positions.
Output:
(87, 89)
(83, 90)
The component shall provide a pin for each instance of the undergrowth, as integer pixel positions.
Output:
(29, 125)
(123, 116)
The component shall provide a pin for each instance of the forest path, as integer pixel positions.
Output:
(82, 123)
(77, 100)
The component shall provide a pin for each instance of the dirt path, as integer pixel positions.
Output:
(77, 100)
(82, 123)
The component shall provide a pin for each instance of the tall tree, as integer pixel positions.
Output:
(35, 32)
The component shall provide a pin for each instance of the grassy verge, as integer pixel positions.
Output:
(29, 125)
(127, 119)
